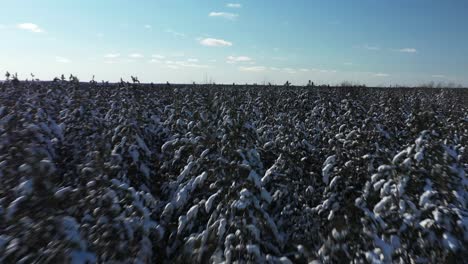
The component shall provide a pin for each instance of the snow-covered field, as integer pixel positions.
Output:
(128, 173)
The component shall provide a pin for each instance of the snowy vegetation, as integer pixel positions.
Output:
(97, 172)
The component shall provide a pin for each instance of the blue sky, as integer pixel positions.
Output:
(376, 42)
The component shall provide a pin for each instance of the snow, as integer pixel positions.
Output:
(222, 176)
(205, 153)
(192, 212)
(254, 231)
(379, 184)
(380, 206)
(144, 170)
(25, 188)
(82, 257)
(326, 173)
(253, 176)
(182, 224)
(60, 193)
(450, 242)
(185, 171)
(384, 168)
(424, 200)
(25, 168)
(266, 195)
(199, 180)
(221, 228)
(13, 207)
(285, 260)
(209, 202)
(399, 156)
(254, 250)
(419, 156)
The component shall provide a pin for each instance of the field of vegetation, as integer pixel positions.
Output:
(139, 173)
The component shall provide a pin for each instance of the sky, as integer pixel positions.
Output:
(372, 42)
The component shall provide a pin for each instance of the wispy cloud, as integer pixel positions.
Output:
(252, 69)
(279, 58)
(188, 64)
(381, 74)
(348, 63)
(62, 59)
(147, 26)
(154, 60)
(440, 76)
(136, 56)
(177, 54)
(234, 59)
(408, 50)
(289, 70)
(30, 27)
(192, 60)
(211, 42)
(233, 5)
(112, 55)
(369, 47)
(225, 15)
(175, 33)
(158, 56)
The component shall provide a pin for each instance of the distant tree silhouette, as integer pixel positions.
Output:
(14, 79)
(135, 79)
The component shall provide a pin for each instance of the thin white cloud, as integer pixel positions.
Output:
(174, 67)
(192, 60)
(155, 61)
(289, 70)
(135, 56)
(178, 64)
(304, 70)
(234, 59)
(233, 5)
(178, 54)
(30, 27)
(408, 50)
(368, 47)
(211, 42)
(438, 76)
(112, 55)
(381, 74)
(279, 58)
(158, 56)
(147, 26)
(175, 33)
(62, 59)
(225, 15)
(348, 63)
(252, 68)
